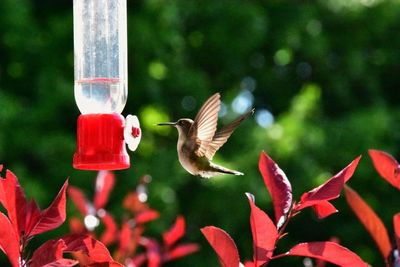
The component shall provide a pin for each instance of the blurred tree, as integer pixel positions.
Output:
(322, 75)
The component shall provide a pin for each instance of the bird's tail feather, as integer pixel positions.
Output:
(220, 169)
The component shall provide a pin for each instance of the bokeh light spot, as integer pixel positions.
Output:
(264, 118)
(188, 103)
(150, 116)
(157, 70)
(243, 102)
(283, 56)
(91, 222)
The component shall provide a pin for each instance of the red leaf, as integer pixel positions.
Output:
(48, 252)
(76, 226)
(94, 249)
(32, 215)
(129, 237)
(323, 209)
(146, 216)
(264, 233)
(104, 184)
(132, 203)
(370, 220)
(328, 251)
(322, 263)
(181, 251)
(51, 254)
(9, 241)
(125, 237)
(176, 232)
(53, 216)
(386, 166)
(105, 264)
(110, 233)
(13, 199)
(223, 245)
(396, 225)
(153, 252)
(79, 199)
(62, 263)
(2, 193)
(330, 189)
(137, 260)
(248, 264)
(278, 187)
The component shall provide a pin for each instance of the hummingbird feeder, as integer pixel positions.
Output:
(101, 86)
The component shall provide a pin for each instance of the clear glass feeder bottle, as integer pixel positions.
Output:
(100, 59)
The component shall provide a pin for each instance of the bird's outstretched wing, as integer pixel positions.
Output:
(205, 124)
(222, 135)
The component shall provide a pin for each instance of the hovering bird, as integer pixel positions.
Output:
(199, 139)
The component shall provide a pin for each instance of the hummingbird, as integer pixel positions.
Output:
(199, 139)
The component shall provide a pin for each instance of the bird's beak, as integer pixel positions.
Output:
(167, 124)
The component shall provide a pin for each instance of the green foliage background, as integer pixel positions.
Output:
(327, 70)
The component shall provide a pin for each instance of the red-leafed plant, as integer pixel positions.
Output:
(132, 247)
(388, 168)
(24, 220)
(266, 233)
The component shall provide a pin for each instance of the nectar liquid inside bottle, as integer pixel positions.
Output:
(100, 95)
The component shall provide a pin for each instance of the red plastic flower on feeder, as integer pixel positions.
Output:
(132, 132)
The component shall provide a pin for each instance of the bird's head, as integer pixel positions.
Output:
(183, 125)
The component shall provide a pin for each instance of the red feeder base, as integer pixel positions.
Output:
(100, 143)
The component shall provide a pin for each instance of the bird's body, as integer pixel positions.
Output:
(198, 139)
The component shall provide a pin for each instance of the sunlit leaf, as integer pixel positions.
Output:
(278, 187)
(396, 226)
(329, 190)
(264, 233)
(14, 200)
(323, 209)
(50, 254)
(386, 166)
(223, 245)
(370, 220)
(94, 249)
(53, 216)
(9, 241)
(328, 251)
